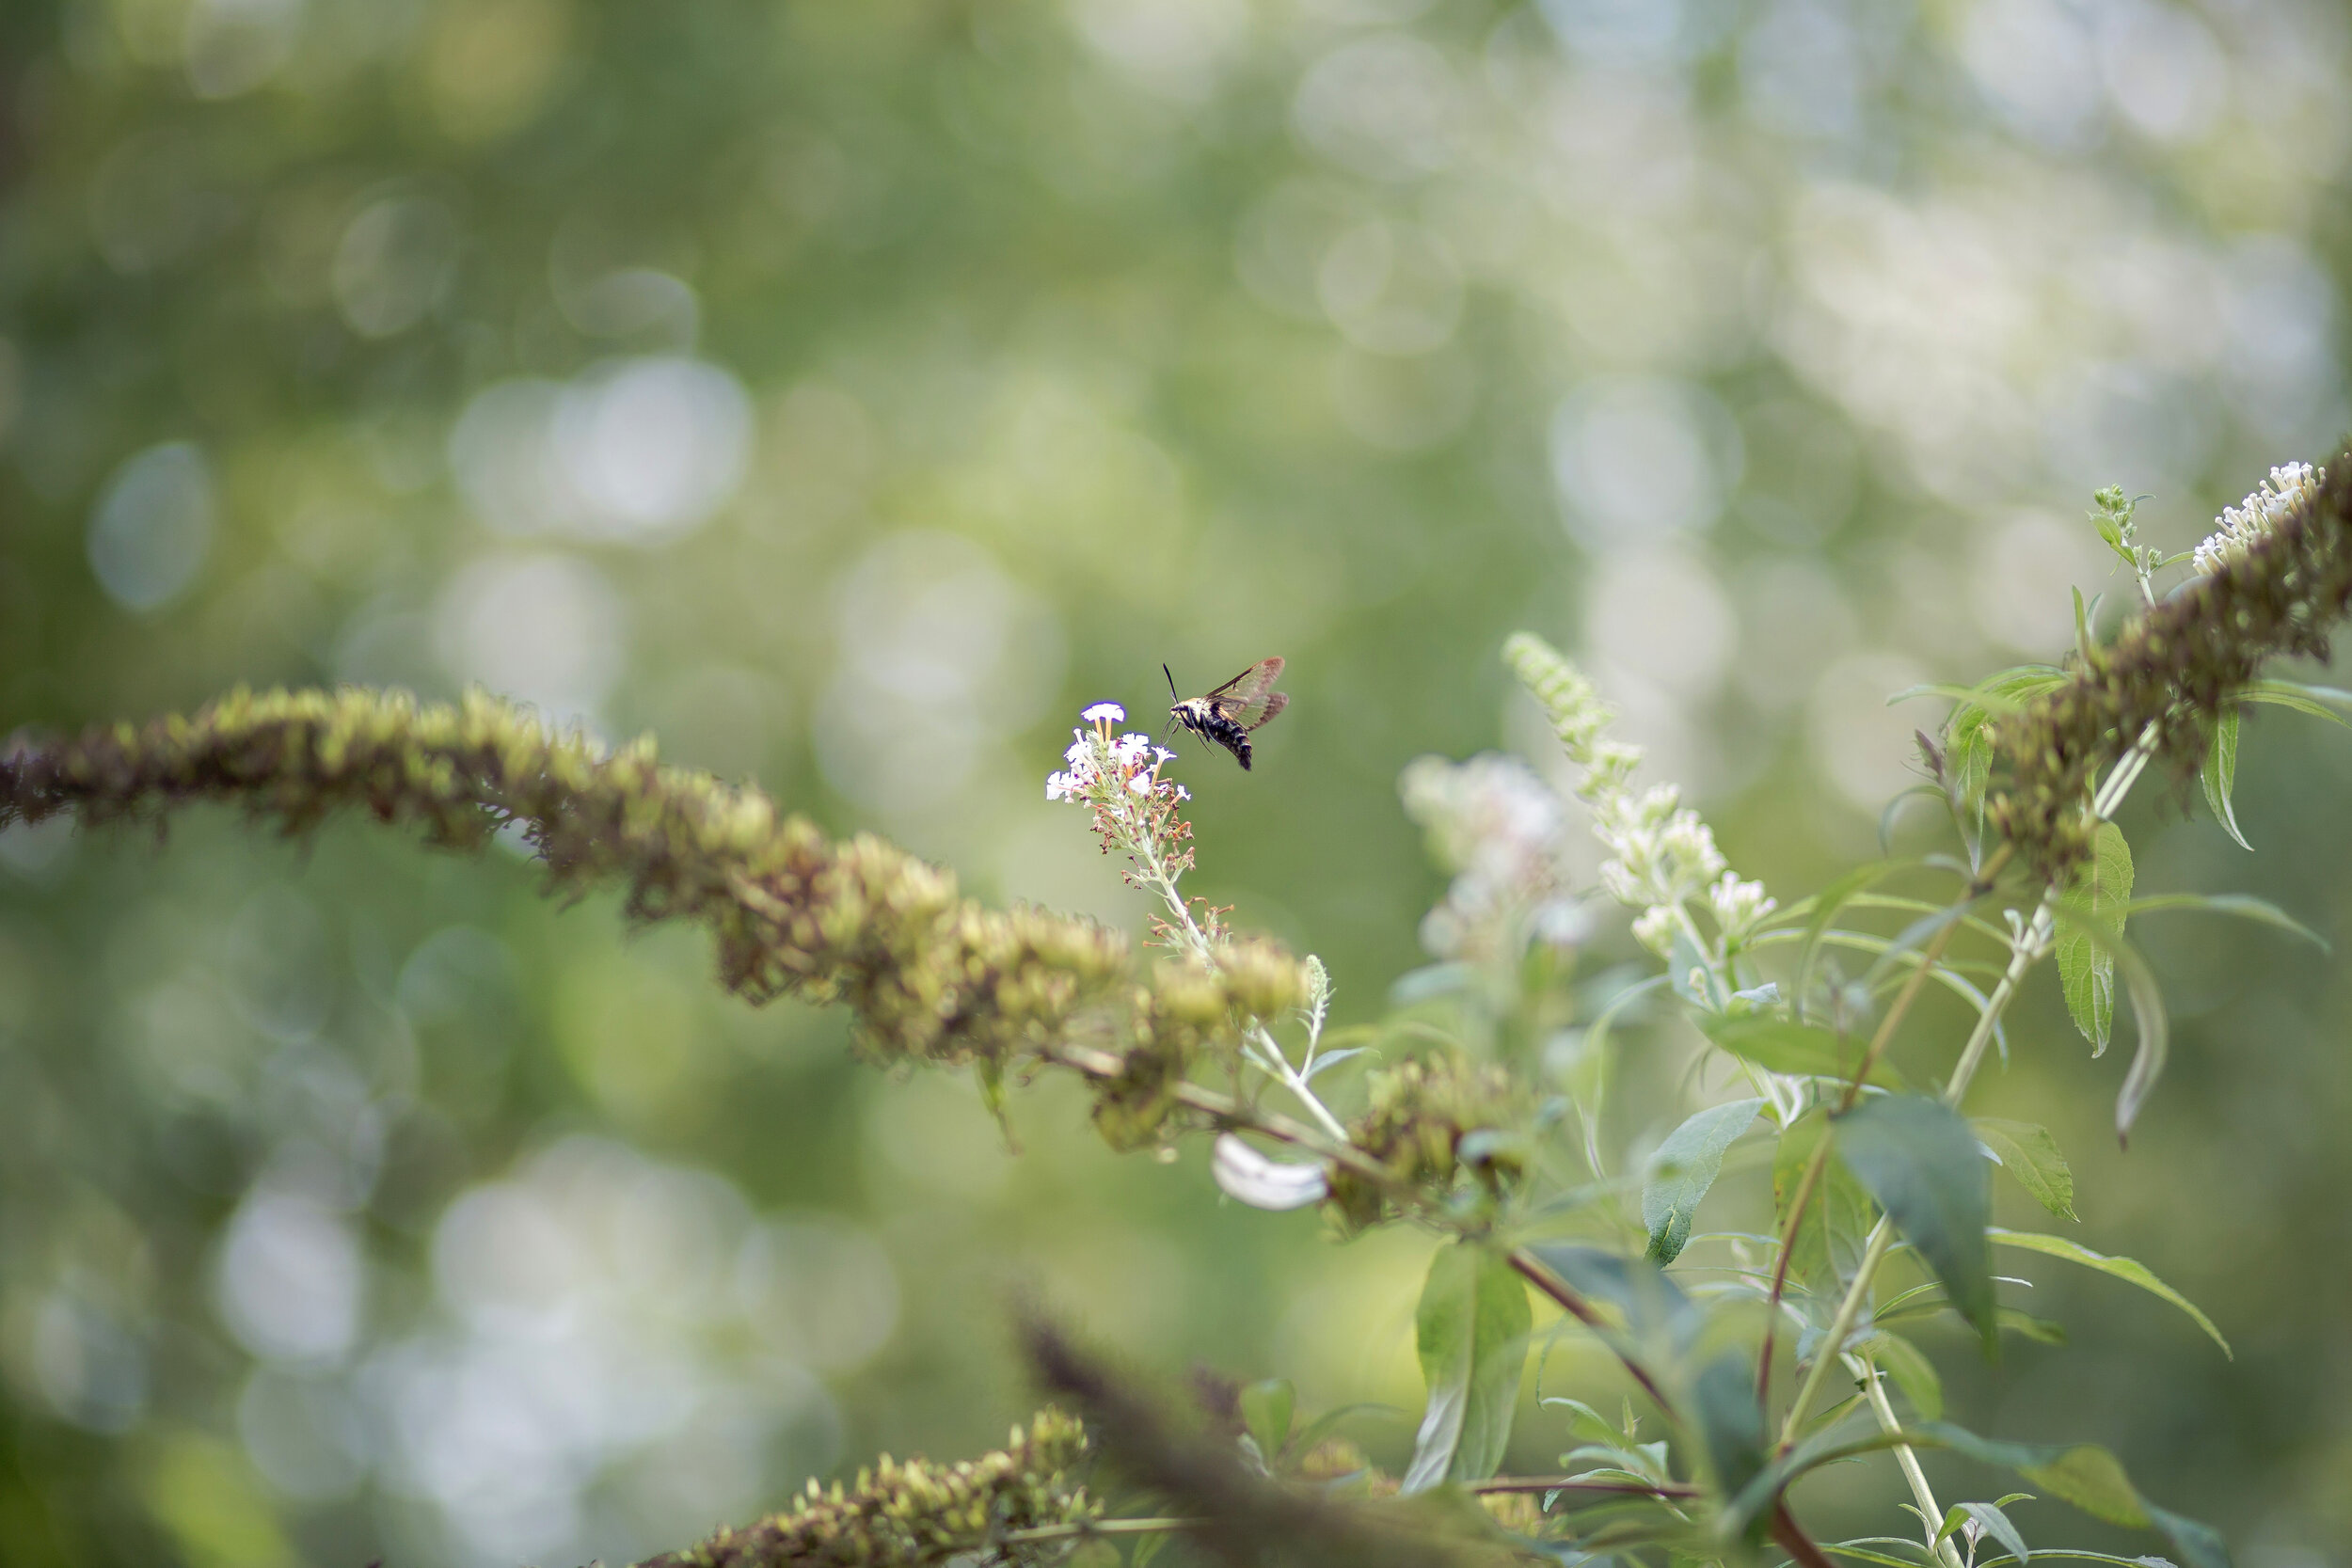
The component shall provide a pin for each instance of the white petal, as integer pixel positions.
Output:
(1243, 1173)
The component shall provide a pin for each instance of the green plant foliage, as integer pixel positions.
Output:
(2101, 894)
(1683, 1168)
(2119, 1268)
(1919, 1160)
(2031, 1155)
(1472, 1332)
(1807, 1050)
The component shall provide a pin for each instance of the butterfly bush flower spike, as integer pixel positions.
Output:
(1662, 857)
(2241, 526)
(1504, 833)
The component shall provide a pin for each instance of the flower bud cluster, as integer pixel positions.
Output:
(1663, 856)
(2275, 579)
(1420, 1114)
(1502, 831)
(930, 975)
(902, 1514)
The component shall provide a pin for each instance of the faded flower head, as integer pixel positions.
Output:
(2240, 526)
(1504, 834)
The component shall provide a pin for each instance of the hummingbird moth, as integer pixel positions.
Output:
(1229, 714)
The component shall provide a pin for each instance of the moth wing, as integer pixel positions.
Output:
(1262, 709)
(1250, 682)
(1240, 698)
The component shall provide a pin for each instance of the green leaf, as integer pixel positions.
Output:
(1991, 1519)
(1730, 1421)
(1913, 1372)
(1920, 1159)
(1265, 1411)
(1995, 1524)
(2083, 614)
(2125, 1269)
(2041, 1331)
(1656, 1310)
(2299, 698)
(1683, 1168)
(2086, 966)
(2030, 1154)
(2245, 906)
(2086, 1476)
(1784, 1045)
(1471, 1329)
(1968, 696)
(2220, 773)
(2155, 1036)
(1972, 760)
(1828, 1246)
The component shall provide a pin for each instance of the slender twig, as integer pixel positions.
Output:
(1572, 1302)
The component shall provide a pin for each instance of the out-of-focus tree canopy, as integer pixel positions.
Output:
(848, 392)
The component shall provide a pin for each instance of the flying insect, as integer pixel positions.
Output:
(1228, 714)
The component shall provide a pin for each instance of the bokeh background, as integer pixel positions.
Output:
(848, 392)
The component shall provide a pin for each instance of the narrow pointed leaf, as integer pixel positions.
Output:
(1913, 1372)
(2031, 1155)
(1784, 1045)
(2128, 1270)
(2220, 773)
(2312, 700)
(1920, 1160)
(1730, 1423)
(1828, 1244)
(2086, 1476)
(1471, 1330)
(2086, 968)
(1265, 1412)
(2155, 1037)
(1684, 1167)
(1997, 1525)
(2245, 906)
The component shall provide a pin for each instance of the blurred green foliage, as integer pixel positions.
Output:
(849, 392)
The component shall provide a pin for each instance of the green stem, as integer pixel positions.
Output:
(2023, 954)
(1921, 1493)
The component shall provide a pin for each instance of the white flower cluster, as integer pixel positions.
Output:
(1662, 855)
(1101, 769)
(2252, 519)
(1492, 821)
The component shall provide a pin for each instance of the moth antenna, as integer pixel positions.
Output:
(1172, 682)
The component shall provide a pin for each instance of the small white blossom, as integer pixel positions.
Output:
(1654, 928)
(1104, 713)
(2252, 519)
(1162, 756)
(1060, 786)
(1139, 784)
(1738, 906)
(1129, 749)
(1079, 748)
